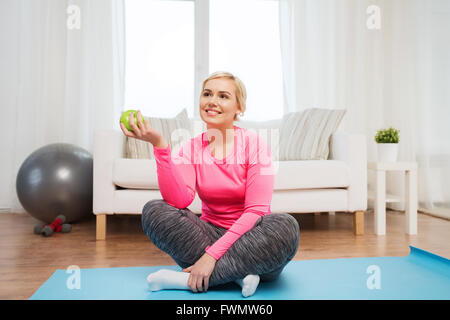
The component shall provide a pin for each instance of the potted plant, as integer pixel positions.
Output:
(387, 144)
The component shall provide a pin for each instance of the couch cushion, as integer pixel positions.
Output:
(289, 175)
(306, 135)
(269, 131)
(255, 125)
(311, 200)
(135, 173)
(128, 201)
(311, 174)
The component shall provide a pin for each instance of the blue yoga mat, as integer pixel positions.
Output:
(420, 275)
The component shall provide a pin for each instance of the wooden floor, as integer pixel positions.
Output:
(28, 260)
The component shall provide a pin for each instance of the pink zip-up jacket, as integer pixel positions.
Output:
(235, 191)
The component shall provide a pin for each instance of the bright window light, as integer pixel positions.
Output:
(159, 77)
(245, 40)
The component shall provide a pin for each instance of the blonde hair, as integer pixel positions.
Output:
(241, 92)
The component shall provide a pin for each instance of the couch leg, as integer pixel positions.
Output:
(101, 227)
(358, 222)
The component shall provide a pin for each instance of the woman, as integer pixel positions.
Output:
(237, 238)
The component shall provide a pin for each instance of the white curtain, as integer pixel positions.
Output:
(287, 15)
(62, 78)
(396, 75)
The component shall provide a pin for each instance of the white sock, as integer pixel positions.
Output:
(171, 279)
(168, 279)
(248, 284)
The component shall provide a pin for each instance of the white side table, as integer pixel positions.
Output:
(410, 169)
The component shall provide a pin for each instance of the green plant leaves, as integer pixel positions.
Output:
(387, 136)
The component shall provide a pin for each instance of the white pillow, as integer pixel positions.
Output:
(268, 130)
(138, 149)
(256, 125)
(306, 135)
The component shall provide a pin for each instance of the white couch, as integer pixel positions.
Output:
(123, 186)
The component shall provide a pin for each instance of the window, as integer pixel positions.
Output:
(159, 56)
(160, 60)
(244, 40)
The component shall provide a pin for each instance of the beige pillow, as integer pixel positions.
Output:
(268, 130)
(138, 149)
(306, 135)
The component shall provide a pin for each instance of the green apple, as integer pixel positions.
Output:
(125, 119)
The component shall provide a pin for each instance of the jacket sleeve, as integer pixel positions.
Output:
(258, 196)
(176, 175)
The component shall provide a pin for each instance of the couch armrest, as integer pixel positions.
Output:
(108, 145)
(352, 149)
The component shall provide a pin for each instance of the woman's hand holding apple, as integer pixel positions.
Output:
(142, 131)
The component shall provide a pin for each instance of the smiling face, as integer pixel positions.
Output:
(218, 103)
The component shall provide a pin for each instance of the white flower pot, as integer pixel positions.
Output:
(387, 152)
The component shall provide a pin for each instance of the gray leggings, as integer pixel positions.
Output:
(263, 250)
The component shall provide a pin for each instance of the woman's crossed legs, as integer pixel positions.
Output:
(264, 250)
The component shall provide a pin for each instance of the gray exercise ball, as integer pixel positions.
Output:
(56, 179)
